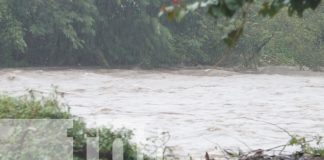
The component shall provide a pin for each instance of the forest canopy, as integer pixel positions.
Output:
(122, 33)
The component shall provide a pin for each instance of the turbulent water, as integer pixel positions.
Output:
(200, 109)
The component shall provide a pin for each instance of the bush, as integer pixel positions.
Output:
(31, 107)
(28, 107)
(312, 60)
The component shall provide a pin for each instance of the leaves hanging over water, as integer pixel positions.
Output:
(294, 6)
(228, 8)
(232, 37)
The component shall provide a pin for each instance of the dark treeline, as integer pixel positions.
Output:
(115, 33)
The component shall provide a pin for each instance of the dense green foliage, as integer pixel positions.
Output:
(118, 33)
(32, 107)
(230, 8)
(284, 40)
(298, 41)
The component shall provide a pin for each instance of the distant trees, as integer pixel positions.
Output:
(115, 33)
(230, 8)
(298, 44)
(97, 32)
(128, 34)
(41, 30)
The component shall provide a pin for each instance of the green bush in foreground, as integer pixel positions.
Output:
(30, 107)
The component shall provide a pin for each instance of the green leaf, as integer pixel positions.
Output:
(293, 141)
(272, 9)
(214, 11)
(232, 37)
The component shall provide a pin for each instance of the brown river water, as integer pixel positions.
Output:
(200, 109)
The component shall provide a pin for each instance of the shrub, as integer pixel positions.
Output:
(31, 107)
(312, 60)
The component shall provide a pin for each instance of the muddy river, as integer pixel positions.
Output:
(200, 109)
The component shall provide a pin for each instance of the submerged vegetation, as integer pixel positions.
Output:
(119, 33)
(305, 149)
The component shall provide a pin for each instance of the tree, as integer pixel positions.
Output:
(237, 9)
(115, 33)
(52, 26)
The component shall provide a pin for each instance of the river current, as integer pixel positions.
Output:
(200, 109)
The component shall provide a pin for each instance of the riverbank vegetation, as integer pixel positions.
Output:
(123, 33)
(301, 148)
(30, 107)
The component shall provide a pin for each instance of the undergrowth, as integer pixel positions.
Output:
(34, 107)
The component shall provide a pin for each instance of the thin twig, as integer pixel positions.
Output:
(283, 129)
